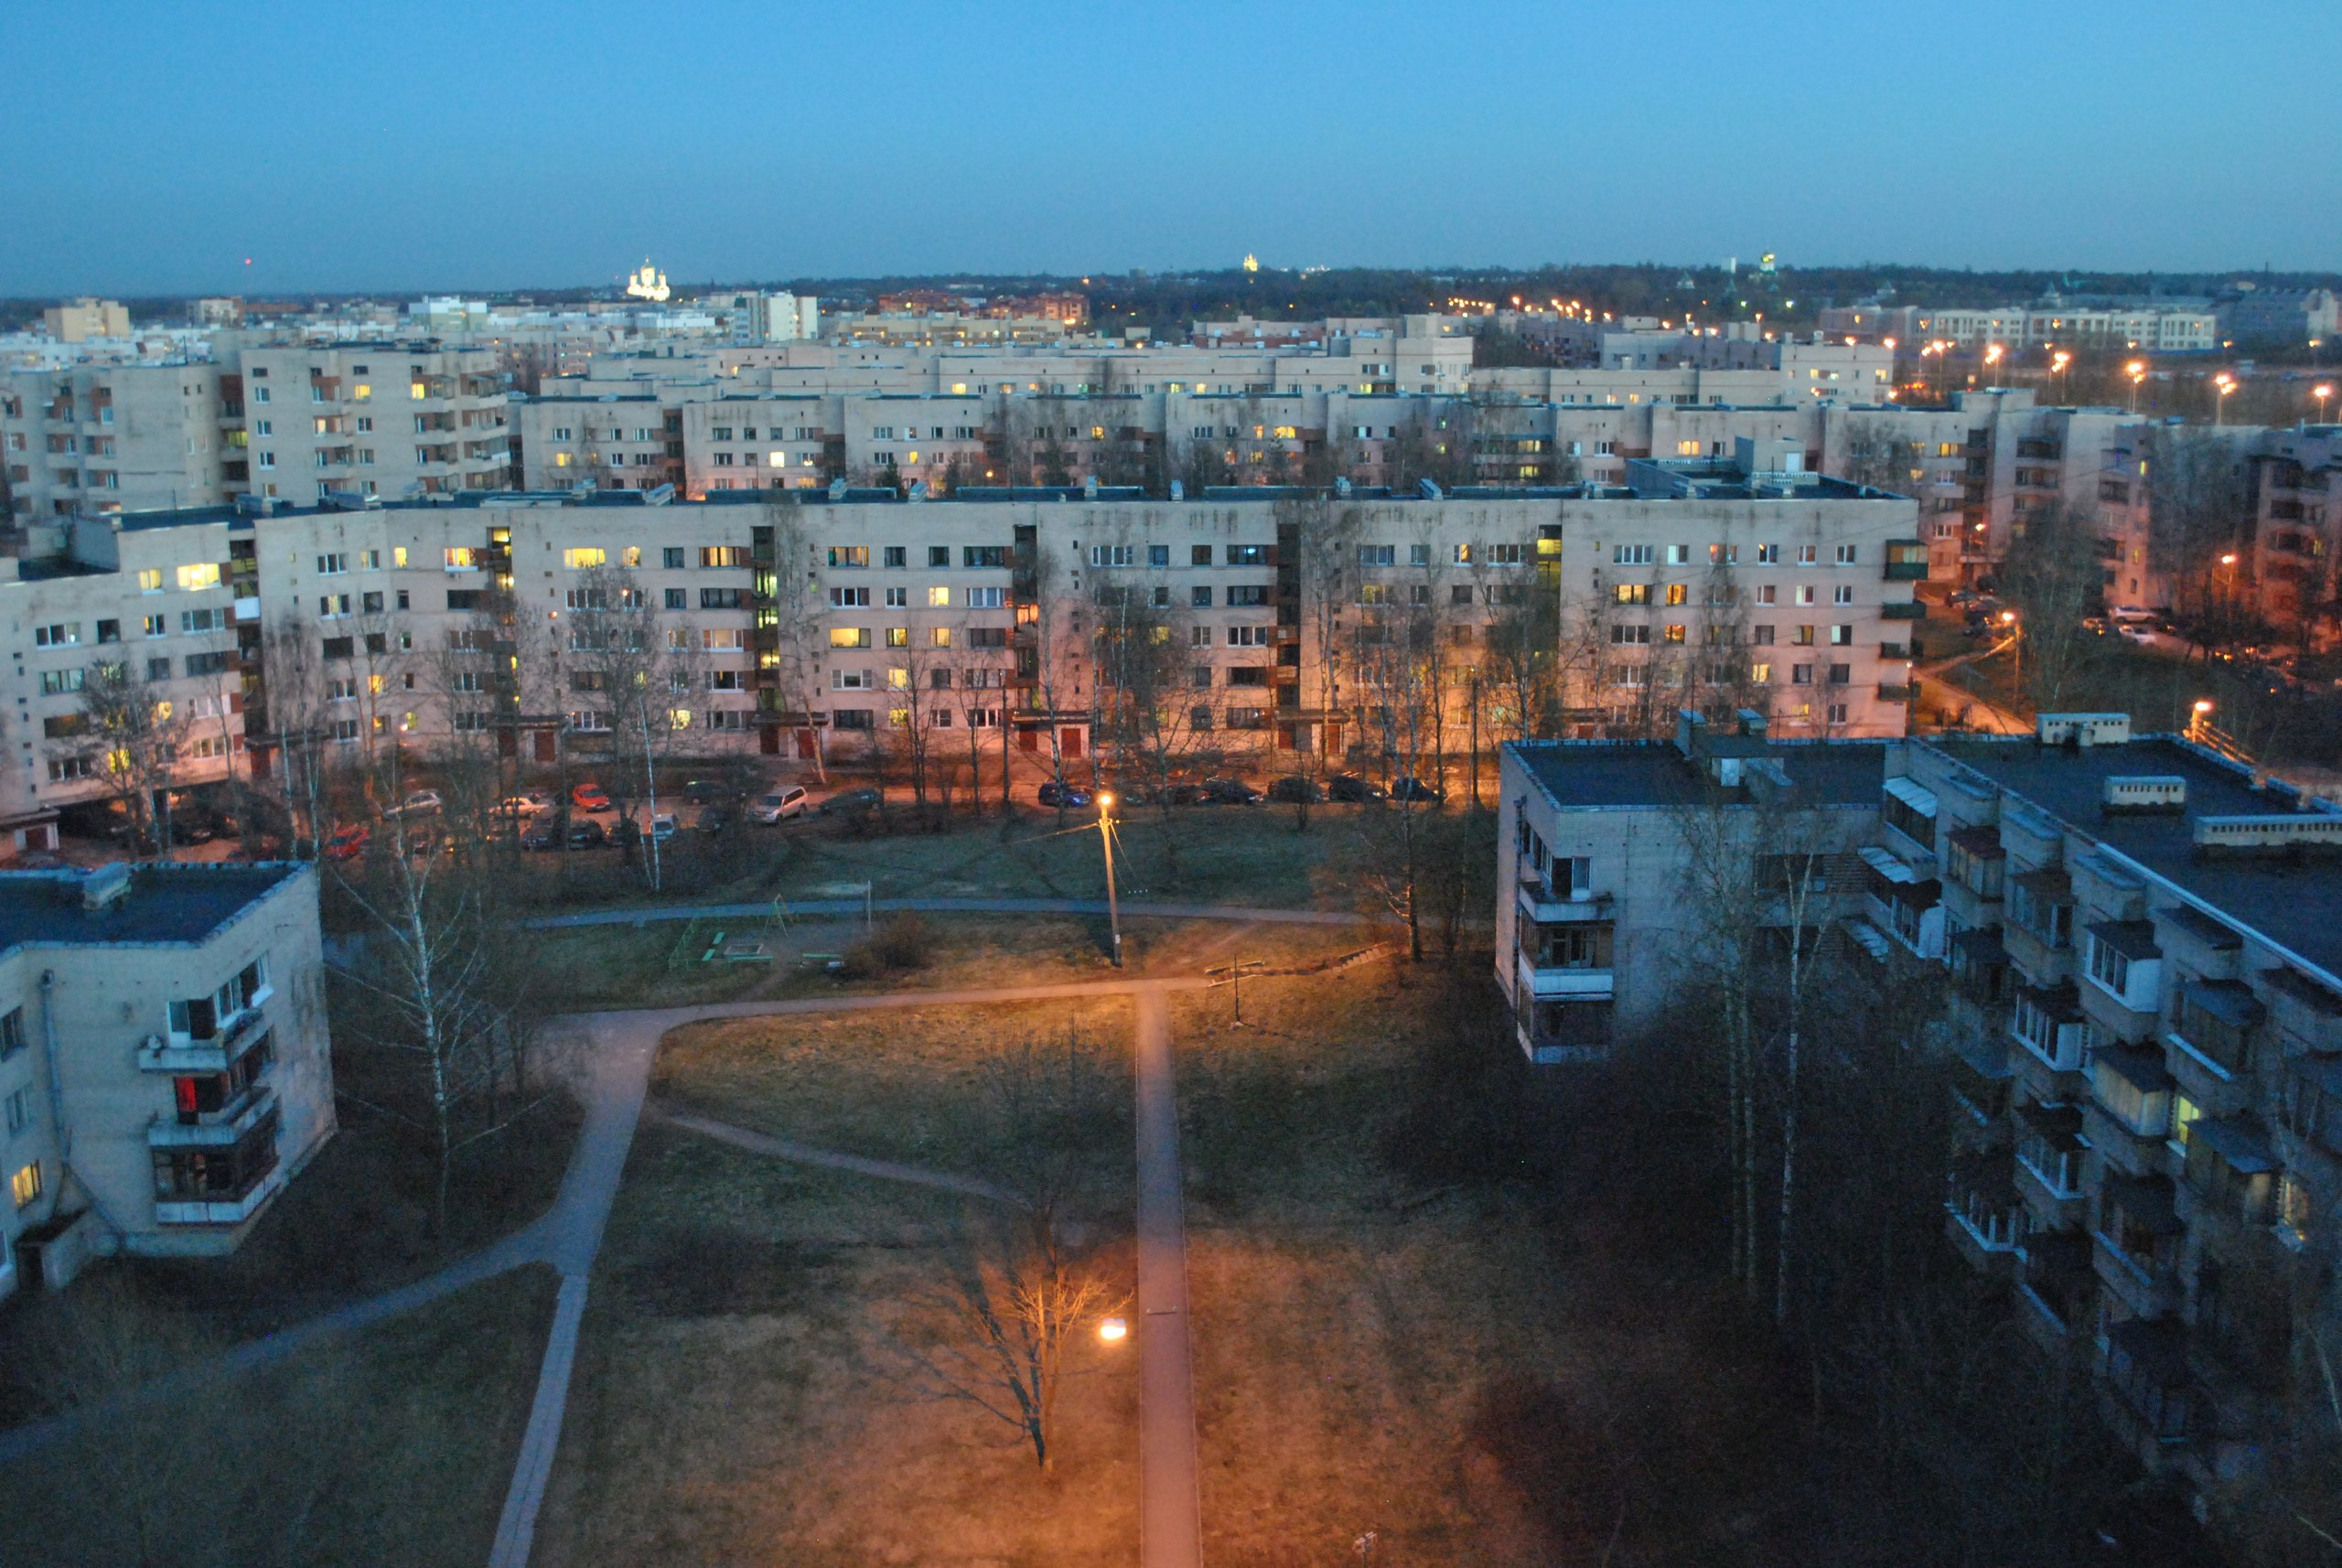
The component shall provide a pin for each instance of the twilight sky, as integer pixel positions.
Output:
(152, 148)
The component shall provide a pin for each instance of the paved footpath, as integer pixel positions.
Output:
(1170, 1530)
(616, 1051)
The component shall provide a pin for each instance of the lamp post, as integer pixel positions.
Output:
(2137, 370)
(2222, 384)
(2202, 715)
(1993, 353)
(2057, 363)
(2016, 645)
(2321, 392)
(1106, 841)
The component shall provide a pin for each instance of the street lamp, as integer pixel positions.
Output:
(1992, 361)
(2202, 715)
(2225, 383)
(1106, 843)
(1112, 1328)
(2321, 392)
(2137, 370)
(2057, 363)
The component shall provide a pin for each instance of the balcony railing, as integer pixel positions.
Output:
(231, 1209)
(222, 1128)
(205, 1053)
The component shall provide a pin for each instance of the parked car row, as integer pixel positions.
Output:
(1293, 788)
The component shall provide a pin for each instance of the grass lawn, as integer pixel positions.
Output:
(660, 964)
(1225, 854)
(357, 1221)
(391, 1446)
(1434, 1363)
(740, 1395)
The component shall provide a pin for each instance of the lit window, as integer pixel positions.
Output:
(398, 555)
(150, 581)
(462, 558)
(580, 559)
(939, 598)
(202, 574)
(417, 390)
(25, 1185)
(364, 391)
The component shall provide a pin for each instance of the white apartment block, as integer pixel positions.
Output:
(1712, 581)
(286, 420)
(2148, 329)
(165, 1064)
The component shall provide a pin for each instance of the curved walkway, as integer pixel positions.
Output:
(617, 1050)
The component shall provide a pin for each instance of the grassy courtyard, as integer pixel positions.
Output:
(744, 1394)
(390, 1447)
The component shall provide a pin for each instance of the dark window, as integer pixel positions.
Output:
(341, 647)
(1199, 555)
(938, 555)
(723, 598)
(1200, 596)
(985, 556)
(672, 557)
(676, 599)
(12, 1032)
(850, 718)
(1248, 596)
(896, 555)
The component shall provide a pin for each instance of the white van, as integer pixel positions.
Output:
(778, 805)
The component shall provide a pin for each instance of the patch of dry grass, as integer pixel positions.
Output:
(740, 1398)
(391, 1446)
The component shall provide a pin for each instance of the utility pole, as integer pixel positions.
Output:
(1106, 841)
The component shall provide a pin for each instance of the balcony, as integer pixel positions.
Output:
(2050, 1156)
(205, 1053)
(1903, 609)
(1541, 905)
(2137, 1242)
(1895, 692)
(2057, 1282)
(1984, 1220)
(223, 1128)
(231, 1209)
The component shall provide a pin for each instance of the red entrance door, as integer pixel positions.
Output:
(1069, 742)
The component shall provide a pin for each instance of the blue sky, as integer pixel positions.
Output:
(151, 148)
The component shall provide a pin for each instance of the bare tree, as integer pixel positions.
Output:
(448, 1012)
(799, 632)
(996, 1335)
(639, 667)
(2054, 575)
(132, 732)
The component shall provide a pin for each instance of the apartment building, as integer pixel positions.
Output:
(85, 318)
(1600, 900)
(2143, 1013)
(1720, 583)
(100, 438)
(165, 1064)
(2294, 539)
(2141, 939)
(290, 420)
(379, 418)
(2156, 329)
(2284, 317)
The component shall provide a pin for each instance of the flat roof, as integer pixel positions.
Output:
(177, 905)
(1652, 775)
(2296, 905)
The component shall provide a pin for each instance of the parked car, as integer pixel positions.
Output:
(707, 791)
(626, 832)
(588, 835)
(663, 826)
(778, 805)
(849, 803)
(349, 844)
(1231, 792)
(715, 818)
(1349, 787)
(1053, 793)
(546, 831)
(1416, 789)
(419, 803)
(527, 803)
(589, 797)
(1134, 794)
(1185, 795)
(1293, 788)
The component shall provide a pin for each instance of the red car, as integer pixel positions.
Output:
(589, 797)
(349, 844)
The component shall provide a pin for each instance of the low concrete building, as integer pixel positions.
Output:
(165, 1062)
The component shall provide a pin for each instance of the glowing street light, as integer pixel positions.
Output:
(2225, 383)
(1992, 362)
(1106, 843)
(1112, 1328)
(2137, 370)
(2321, 392)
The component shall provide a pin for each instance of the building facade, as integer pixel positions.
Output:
(165, 1063)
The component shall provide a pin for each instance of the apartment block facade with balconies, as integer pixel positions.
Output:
(165, 1063)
